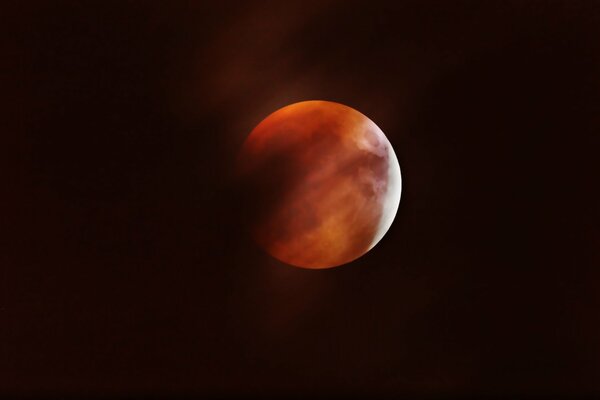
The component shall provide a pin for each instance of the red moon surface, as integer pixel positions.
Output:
(325, 184)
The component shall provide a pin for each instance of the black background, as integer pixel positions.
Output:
(125, 270)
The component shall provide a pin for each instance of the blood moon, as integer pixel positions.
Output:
(321, 184)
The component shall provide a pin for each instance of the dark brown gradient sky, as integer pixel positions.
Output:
(125, 268)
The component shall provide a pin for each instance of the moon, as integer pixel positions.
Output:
(321, 182)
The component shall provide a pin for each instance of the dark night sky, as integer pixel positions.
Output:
(125, 270)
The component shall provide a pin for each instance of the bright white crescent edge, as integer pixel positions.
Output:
(391, 200)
